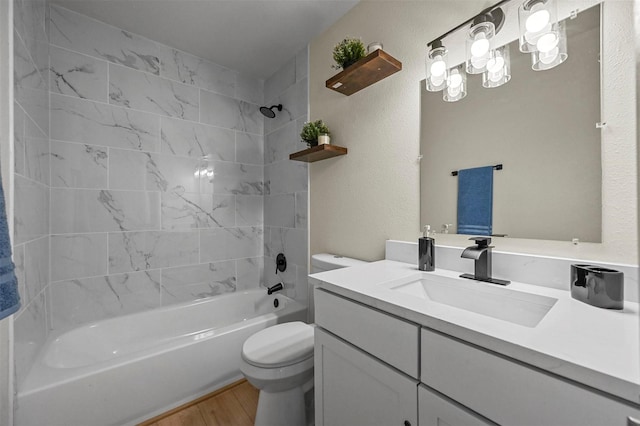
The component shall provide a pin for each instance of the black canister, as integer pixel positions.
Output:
(601, 287)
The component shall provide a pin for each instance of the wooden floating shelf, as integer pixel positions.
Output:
(317, 153)
(367, 71)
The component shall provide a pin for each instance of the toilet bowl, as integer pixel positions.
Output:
(279, 360)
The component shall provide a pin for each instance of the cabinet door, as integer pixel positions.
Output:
(353, 388)
(436, 410)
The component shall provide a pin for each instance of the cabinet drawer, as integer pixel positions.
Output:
(386, 337)
(436, 410)
(511, 393)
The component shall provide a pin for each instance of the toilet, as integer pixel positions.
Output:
(279, 359)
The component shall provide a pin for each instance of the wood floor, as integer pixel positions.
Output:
(234, 405)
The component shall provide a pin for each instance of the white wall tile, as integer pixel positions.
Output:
(75, 165)
(285, 177)
(302, 59)
(77, 120)
(189, 139)
(230, 243)
(280, 81)
(36, 267)
(280, 210)
(31, 218)
(78, 255)
(82, 301)
(249, 148)
(239, 179)
(197, 211)
(133, 89)
(89, 210)
(137, 251)
(224, 111)
(128, 169)
(249, 210)
(77, 75)
(282, 142)
(198, 281)
(82, 34)
(302, 208)
(36, 154)
(250, 273)
(30, 331)
(196, 71)
(250, 89)
(294, 102)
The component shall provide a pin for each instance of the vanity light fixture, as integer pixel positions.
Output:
(551, 49)
(498, 68)
(536, 19)
(456, 86)
(541, 34)
(480, 39)
(436, 67)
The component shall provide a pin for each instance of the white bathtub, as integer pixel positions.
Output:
(127, 369)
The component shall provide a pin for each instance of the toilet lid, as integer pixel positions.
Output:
(280, 345)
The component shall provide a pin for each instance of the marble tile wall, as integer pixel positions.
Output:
(286, 182)
(31, 180)
(157, 174)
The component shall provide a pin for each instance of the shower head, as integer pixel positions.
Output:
(268, 112)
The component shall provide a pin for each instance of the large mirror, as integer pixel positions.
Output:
(541, 127)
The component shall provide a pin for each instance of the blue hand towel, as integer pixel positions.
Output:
(475, 201)
(9, 297)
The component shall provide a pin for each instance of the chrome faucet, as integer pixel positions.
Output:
(481, 255)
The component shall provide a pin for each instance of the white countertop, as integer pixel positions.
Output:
(596, 347)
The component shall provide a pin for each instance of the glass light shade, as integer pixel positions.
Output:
(498, 68)
(479, 41)
(436, 69)
(551, 49)
(536, 18)
(456, 86)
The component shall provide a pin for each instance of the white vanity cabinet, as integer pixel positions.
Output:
(373, 368)
(356, 389)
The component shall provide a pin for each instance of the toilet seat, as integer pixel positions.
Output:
(279, 346)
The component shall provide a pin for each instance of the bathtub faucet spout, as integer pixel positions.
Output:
(274, 288)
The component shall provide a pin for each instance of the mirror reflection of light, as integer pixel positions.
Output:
(454, 81)
(550, 56)
(547, 42)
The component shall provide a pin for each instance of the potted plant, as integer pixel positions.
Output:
(311, 130)
(347, 52)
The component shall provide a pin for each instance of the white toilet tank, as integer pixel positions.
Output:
(326, 262)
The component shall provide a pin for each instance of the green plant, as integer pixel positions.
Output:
(311, 130)
(347, 52)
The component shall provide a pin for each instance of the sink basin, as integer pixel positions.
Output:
(501, 303)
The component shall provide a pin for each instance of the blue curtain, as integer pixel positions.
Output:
(9, 297)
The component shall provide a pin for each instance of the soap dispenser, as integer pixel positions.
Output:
(426, 251)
